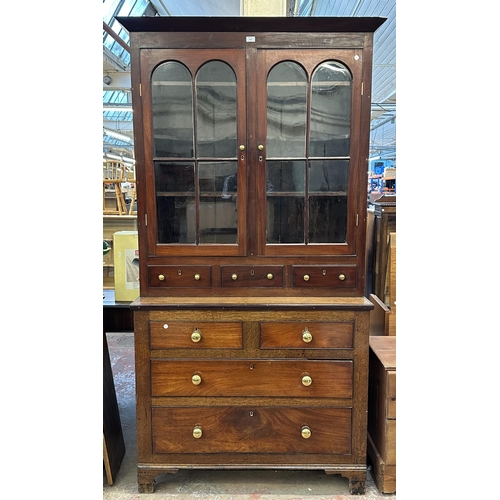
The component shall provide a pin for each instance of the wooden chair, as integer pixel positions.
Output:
(130, 178)
(113, 174)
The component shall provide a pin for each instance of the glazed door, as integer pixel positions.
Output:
(194, 114)
(307, 137)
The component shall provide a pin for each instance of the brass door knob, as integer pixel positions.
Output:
(306, 335)
(341, 277)
(196, 379)
(307, 380)
(197, 431)
(161, 277)
(270, 276)
(234, 277)
(261, 147)
(196, 335)
(305, 432)
(306, 277)
(197, 277)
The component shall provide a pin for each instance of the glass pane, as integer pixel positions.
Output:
(328, 201)
(218, 194)
(175, 202)
(330, 110)
(286, 111)
(285, 201)
(172, 111)
(216, 111)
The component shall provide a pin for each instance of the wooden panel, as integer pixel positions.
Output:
(391, 394)
(290, 335)
(330, 379)
(385, 474)
(241, 276)
(324, 276)
(172, 334)
(252, 429)
(180, 276)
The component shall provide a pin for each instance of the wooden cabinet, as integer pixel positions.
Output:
(251, 329)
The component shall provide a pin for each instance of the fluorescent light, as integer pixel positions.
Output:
(117, 135)
(118, 109)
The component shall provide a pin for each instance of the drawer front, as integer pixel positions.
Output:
(312, 335)
(251, 430)
(256, 276)
(196, 335)
(285, 378)
(180, 276)
(324, 276)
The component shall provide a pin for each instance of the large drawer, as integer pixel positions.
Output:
(180, 276)
(311, 335)
(286, 378)
(251, 430)
(185, 334)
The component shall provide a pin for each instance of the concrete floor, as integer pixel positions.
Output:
(209, 484)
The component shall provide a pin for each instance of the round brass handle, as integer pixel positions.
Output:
(196, 379)
(341, 277)
(242, 147)
(307, 380)
(306, 335)
(197, 431)
(234, 277)
(261, 147)
(196, 335)
(306, 277)
(270, 276)
(197, 277)
(306, 432)
(161, 277)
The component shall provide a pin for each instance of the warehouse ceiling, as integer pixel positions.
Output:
(117, 108)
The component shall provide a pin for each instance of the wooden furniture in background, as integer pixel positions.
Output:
(382, 411)
(251, 329)
(113, 174)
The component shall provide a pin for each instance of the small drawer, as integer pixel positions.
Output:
(286, 378)
(324, 276)
(196, 335)
(180, 276)
(254, 276)
(313, 335)
(251, 429)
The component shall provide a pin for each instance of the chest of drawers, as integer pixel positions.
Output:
(280, 383)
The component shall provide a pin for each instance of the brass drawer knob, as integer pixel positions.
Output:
(307, 380)
(242, 147)
(270, 276)
(307, 335)
(341, 277)
(197, 431)
(196, 379)
(234, 277)
(306, 277)
(261, 147)
(161, 277)
(197, 277)
(305, 432)
(196, 335)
